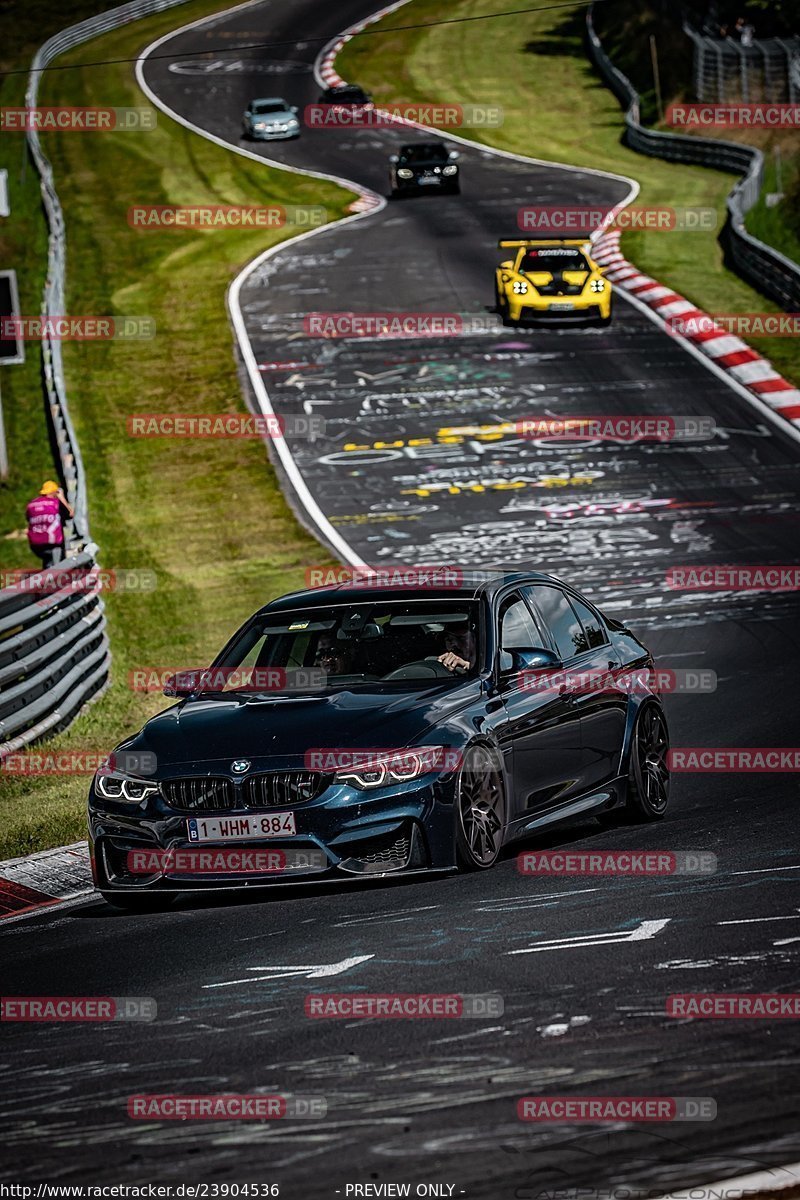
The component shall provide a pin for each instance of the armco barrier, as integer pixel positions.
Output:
(53, 658)
(765, 268)
(54, 653)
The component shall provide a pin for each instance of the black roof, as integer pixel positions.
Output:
(470, 585)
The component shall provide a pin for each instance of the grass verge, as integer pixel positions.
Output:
(557, 107)
(208, 517)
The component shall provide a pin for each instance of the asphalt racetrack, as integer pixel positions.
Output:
(584, 965)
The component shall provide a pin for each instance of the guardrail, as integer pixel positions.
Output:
(54, 653)
(761, 265)
(53, 656)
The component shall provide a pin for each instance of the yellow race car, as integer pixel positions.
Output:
(551, 277)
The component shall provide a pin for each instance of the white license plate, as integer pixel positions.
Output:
(423, 179)
(241, 828)
(561, 308)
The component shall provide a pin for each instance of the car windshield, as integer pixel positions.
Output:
(554, 258)
(427, 152)
(396, 643)
(268, 106)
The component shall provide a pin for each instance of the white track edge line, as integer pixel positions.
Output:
(736, 1187)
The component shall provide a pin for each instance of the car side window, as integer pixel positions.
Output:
(517, 627)
(560, 618)
(592, 625)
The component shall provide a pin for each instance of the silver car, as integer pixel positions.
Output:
(270, 119)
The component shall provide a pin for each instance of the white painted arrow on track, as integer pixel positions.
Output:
(642, 933)
(321, 971)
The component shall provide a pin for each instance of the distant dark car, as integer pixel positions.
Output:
(445, 726)
(347, 93)
(424, 166)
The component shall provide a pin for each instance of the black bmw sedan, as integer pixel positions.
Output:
(362, 730)
(424, 166)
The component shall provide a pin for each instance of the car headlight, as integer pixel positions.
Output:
(404, 173)
(399, 767)
(259, 125)
(114, 786)
(450, 170)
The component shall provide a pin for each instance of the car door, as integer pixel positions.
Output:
(541, 724)
(587, 656)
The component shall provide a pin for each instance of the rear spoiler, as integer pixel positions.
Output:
(514, 244)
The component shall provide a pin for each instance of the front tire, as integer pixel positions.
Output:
(648, 776)
(480, 810)
(604, 321)
(501, 307)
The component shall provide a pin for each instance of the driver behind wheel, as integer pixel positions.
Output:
(335, 657)
(460, 648)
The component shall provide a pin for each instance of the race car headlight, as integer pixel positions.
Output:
(451, 170)
(112, 785)
(404, 173)
(394, 768)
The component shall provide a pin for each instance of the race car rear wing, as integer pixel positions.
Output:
(515, 243)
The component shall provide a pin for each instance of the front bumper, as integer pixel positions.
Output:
(436, 183)
(344, 833)
(270, 135)
(563, 308)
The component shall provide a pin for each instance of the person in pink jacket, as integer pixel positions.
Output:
(45, 514)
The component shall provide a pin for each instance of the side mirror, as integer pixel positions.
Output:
(184, 683)
(508, 265)
(514, 661)
(454, 154)
(394, 158)
(294, 108)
